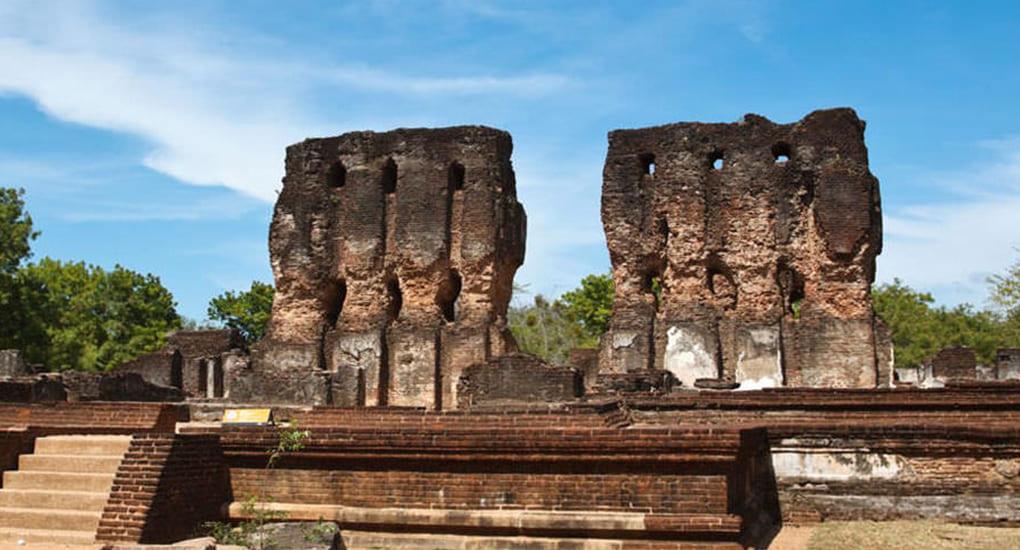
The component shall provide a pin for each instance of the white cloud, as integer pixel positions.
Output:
(950, 248)
(212, 117)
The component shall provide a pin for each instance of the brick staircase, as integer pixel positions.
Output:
(57, 494)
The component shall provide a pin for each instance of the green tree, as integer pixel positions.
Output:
(1005, 295)
(920, 329)
(247, 311)
(545, 329)
(95, 319)
(16, 233)
(1005, 290)
(908, 314)
(591, 305)
(17, 324)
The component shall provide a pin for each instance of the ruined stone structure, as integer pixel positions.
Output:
(394, 255)
(12, 364)
(954, 362)
(193, 361)
(745, 252)
(1008, 364)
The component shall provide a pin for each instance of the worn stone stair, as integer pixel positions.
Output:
(58, 493)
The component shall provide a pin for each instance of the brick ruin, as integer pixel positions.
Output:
(743, 256)
(745, 252)
(394, 255)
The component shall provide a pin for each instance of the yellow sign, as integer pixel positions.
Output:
(248, 416)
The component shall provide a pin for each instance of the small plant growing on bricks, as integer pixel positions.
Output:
(251, 532)
(291, 440)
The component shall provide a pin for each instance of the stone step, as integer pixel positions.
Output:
(69, 463)
(96, 445)
(38, 518)
(43, 536)
(55, 500)
(62, 481)
(365, 540)
(588, 524)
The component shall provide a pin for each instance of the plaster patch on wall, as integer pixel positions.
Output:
(759, 359)
(623, 339)
(838, 465)
(688, 356)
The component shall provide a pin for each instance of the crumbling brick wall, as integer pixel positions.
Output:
(393, 255)
(518, 377)
(1008, 364)
(12, 363)
(744, 251)
(955, 362)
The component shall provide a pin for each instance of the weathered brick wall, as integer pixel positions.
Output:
(116, 386)
(517, 377)
(32, 389)
(579, 459)
(204, 343)
(411, 485)
(12, 364)
(92, 417)
(744, 251)
(393, 256)
(161, 367)
(21, 424)
(1008, 364)
(950, 453)
(957, 362)
(165, 488)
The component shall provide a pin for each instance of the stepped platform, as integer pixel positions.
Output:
(548, 473)
(58, 493)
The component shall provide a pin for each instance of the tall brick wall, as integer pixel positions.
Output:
(166, 486)
(393, 255)
(744, 251)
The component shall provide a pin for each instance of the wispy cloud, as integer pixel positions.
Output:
(951, 247)
(212, 117)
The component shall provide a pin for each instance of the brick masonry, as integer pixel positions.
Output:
(21, 424)
(530, 460)
(744, 251)
(950, 454)
(166, 486)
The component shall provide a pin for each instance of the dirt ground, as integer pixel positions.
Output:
(896, 535)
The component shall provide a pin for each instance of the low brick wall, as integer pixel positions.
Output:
(166, 486)
(564, 461)
(92, 417)
(951, 453)
(21, 424)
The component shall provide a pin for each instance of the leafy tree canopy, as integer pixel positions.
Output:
(591, 305)
(247, 311)
(95, 319)
(69, 315)
(1005, 291)
(16, 233)
(919, 329)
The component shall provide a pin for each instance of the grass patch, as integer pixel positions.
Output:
(911, 535)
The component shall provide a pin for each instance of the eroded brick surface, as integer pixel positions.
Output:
(393, 255)
(762, 238)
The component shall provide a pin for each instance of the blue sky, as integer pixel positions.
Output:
(152, 134)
